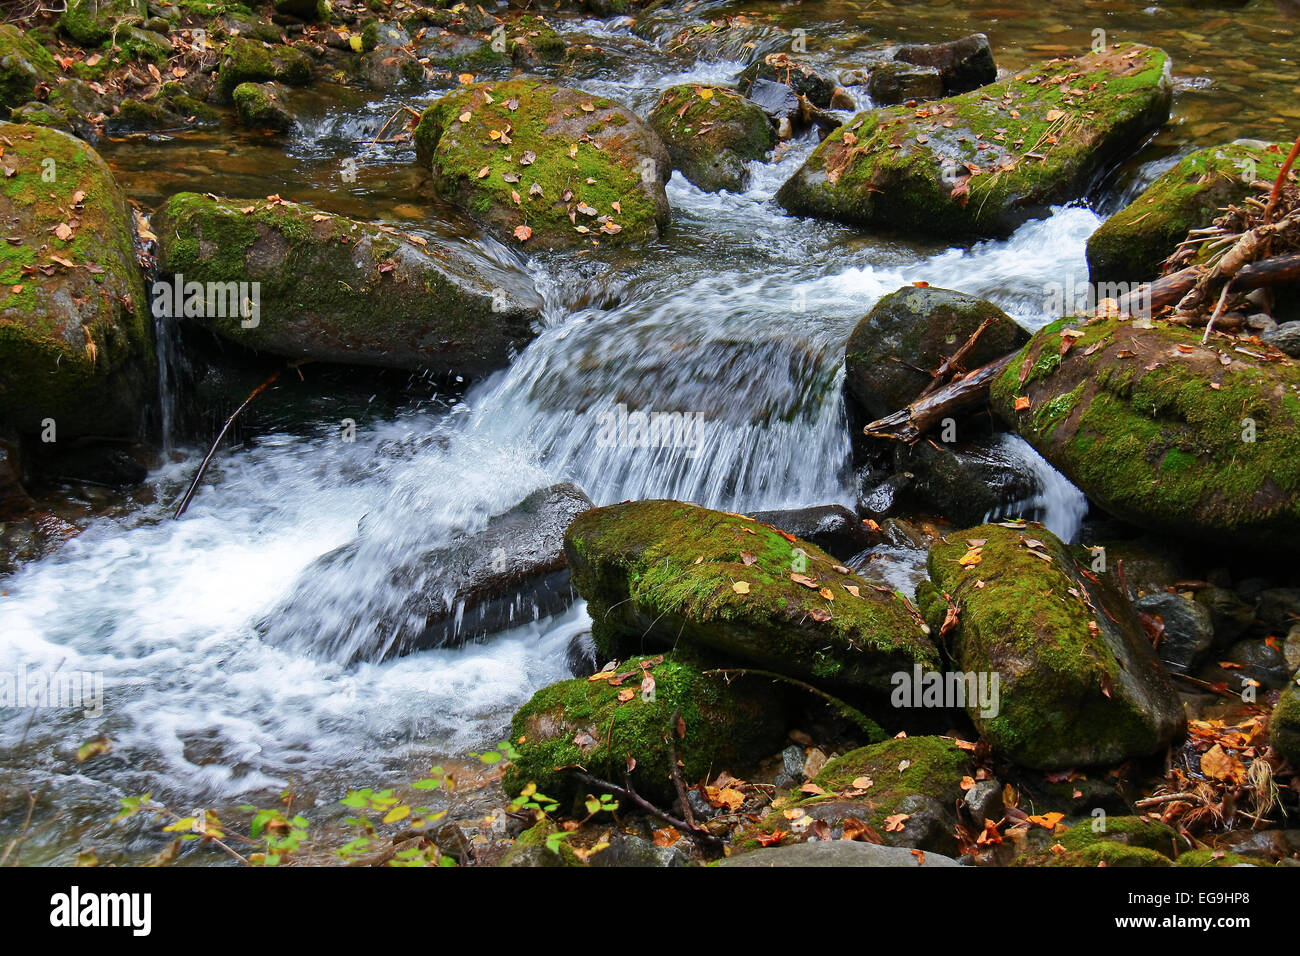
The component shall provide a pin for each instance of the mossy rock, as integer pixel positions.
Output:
(24, 64)
(531, 40)
(711, 133)
(339, 290)
(1284, 725)
(583, 723)
(569, 153)
(91, 23)
(166, 110)
(659, 573)
(1158, 429)
(919, 328)
(261, 106)
(926, 789)
(911, 170)
(1132, 244)
(248, 61)
(76, 343)
(1078, 682)
(530, 849)
(1205, 857)
(1122, 841)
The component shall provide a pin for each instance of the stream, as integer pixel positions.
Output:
(739, 314)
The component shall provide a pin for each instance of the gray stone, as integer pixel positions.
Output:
(892, 83)
(1188, 629)
(837, 853)
(965, 64)
(833, 528)
(1285, 337)
(627, 850)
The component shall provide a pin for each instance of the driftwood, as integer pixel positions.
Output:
(910, 423)
(956, 363)
(1168, 290)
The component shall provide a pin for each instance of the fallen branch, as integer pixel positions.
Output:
(910, 423)
(207, 459)
(955, 363)
(701, 836)
(1278, 183)
(851, 713)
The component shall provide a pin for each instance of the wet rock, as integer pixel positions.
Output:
(511, 572)
(625, 849)
(580, 655)
(964, 64)
(76, 350)
(833, 528)
(836, 853)
(818, 88)
(1131, 245)
(909, 334)
(550, 130)
(532, 849)
(665, 573)
(1128, 415)
(573, 723)
(965, 482)
(115, 465)
(1187, 629)
(896, 168)
(309, 11)
(891, 83)
(1278, 609)
(31, 537)
(777, 100)
(91, 22)
(171, 108)
(1285, 337)
(339, 290)
(247, 61)
(1078, 682)
(926, 790)
(1232, 616)
(984, 801)
(711, 138)
(261, 106)
(1252, 660)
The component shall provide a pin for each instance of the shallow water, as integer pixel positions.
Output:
(738, 315)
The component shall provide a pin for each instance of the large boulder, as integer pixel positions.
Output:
(75, 339)
(632, 720)
(1078, 682)
(1109, 841)
(712, 133)
(913, 331)
(546, 165)
(660, 573)
(983, 162)
(512, 572)
(338, 290)
(1131, 245)
(1190, 440)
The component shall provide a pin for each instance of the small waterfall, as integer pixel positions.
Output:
(1056, 503)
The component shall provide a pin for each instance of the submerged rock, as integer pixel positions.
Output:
(627, 724)
(910, 333)
(1192, 441)
(664, 573)
(76, 350)
(1131, 245)
(511, 572)
(711, 134)
(1078, 682)
(339, 290)
(867, 786)
(923, 171)
(546, 165)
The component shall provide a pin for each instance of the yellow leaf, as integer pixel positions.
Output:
(397, 813)
(741, 587)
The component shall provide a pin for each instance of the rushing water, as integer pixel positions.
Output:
(738, 315)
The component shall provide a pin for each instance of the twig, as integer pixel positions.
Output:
(677, 773)
(1276, 192)
(955, 362)
(698, 834)
(852, 713)
(1218, 310)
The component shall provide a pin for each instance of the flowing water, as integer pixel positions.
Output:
(738, 316)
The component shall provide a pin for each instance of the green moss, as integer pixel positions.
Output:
(248, 61)
(1284, 725)
(258, 106)
(1206, 857)
(547, 122)
(1131, 245)
(886, 167)
(1076, 684)
(74, 345)
(1157, 428)
(710, 132)
(24, 63)
(583, 723)
(665, 571)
